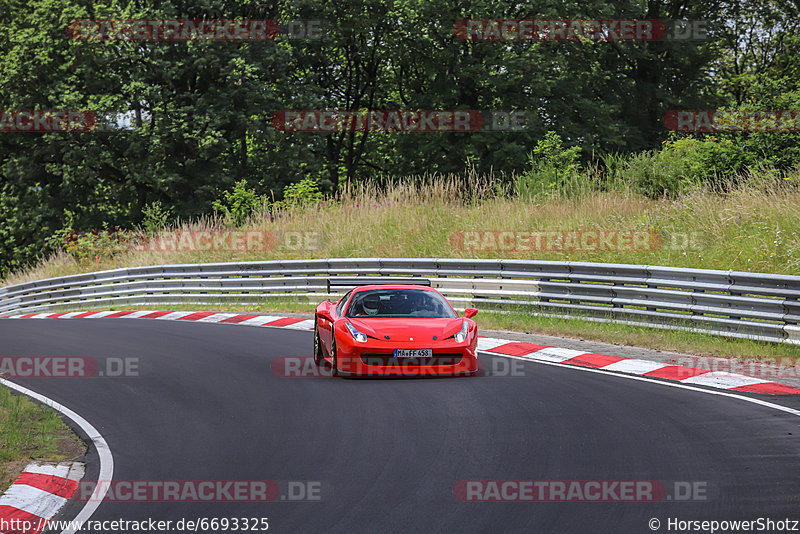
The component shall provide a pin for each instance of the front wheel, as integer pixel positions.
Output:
(334, 364)
(318, 357)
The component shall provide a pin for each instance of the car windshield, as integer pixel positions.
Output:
(399, 303)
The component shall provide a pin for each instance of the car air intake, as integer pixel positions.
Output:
(388, 360)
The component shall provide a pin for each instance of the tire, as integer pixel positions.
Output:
(318, 356)
(334, 362)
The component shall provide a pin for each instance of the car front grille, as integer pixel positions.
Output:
(388, 360)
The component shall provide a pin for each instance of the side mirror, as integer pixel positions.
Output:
(470, 313)
(325, 312)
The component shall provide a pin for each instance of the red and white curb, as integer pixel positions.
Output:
(645, 368)
(503, 347)
(297, 323)
(37, 495)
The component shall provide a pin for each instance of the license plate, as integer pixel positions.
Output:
(413, 353)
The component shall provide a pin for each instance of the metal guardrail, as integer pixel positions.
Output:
(728, 303)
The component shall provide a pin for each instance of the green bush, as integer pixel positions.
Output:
(90, 246)
(779, 149)
(156, 216)
(654, 174)
(304, 192)
(553, 168)
(239, 205)
(683, 163)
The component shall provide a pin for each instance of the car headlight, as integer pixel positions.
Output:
(359, 336)
(462, 334)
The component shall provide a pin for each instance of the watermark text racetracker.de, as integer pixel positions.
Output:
(305, 367)
(766, 368)
(114, 241)
(584, 240)
(555, 240)
(43, 121)
(194, 30)
(202, 490)
(579, 490)
(715, 120)
(67, 367)
(400, 121)
(184, 524)
(579, 30)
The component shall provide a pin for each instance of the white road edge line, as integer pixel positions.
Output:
(760, 402)
(103, 451)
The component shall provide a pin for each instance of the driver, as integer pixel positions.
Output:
(414, 303)
(370, 304)
(428, 305)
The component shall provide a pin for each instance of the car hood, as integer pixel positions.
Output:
(402, 329)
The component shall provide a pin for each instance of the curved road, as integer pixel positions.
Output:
(206, 406)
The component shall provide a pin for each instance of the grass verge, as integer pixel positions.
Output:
(30, 431)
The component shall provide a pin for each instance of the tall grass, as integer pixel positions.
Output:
(749, 223)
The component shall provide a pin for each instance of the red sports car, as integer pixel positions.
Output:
(405, 330)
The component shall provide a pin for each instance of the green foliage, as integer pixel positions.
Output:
(772, 149)
(199, 109)
(683, 163)
(552, 167)
(656, 173)
(306, 191)
(156, 216)
(239, 205)
(90, 246)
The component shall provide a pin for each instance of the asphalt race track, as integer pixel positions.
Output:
(389, 452)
